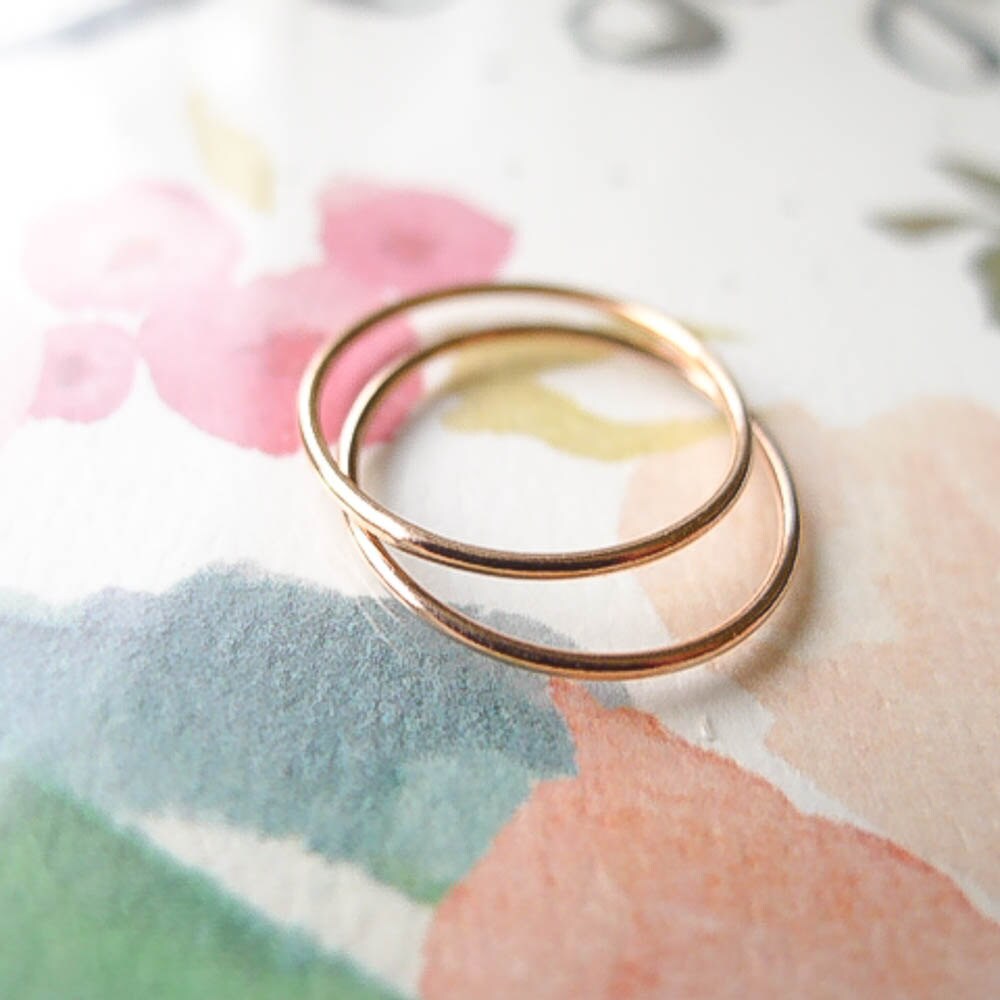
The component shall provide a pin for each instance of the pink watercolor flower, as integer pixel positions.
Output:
(409, 241)
(140, 245)
(230, 359)
(86, 374)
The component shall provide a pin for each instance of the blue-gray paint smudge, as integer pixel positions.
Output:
(278, 706)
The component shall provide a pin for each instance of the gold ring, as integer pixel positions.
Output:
(635, 326)
(550, 659)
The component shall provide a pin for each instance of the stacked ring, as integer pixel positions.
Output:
(634, 327)
(374, 527)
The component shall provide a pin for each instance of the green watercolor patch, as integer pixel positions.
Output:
(90, 912)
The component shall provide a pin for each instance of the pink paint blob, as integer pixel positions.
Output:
(87, 372)
(139, 245)
(409, 241)
(230, 359)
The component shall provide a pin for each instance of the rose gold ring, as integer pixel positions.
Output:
(549, 659)
(626, 324)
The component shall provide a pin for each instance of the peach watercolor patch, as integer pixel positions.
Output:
(887, 695)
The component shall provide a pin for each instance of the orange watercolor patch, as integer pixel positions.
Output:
(663, 870)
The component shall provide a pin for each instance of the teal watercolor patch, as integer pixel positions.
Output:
(90, 912)
(281, 707)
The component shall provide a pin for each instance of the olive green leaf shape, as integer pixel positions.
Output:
(988, 268)
(914, 225)
(983, 182)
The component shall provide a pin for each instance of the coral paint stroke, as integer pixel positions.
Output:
(665, 870)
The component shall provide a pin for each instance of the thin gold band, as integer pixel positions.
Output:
(549, 659)
(637, 327)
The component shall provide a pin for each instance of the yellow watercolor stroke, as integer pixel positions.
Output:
(235, 160)
(528, 407)
(499, 392)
